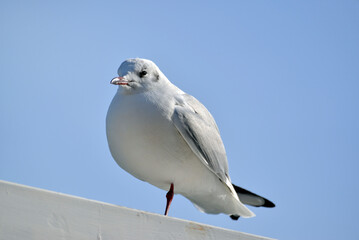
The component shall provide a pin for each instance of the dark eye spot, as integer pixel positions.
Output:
(142, 73)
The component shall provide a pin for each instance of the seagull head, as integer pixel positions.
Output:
(138, 74)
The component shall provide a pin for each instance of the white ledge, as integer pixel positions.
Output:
(32, 213)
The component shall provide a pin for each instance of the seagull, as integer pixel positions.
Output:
(166, 137)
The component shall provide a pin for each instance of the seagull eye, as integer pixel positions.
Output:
(143, 73)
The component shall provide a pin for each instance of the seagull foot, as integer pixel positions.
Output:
(169, 197)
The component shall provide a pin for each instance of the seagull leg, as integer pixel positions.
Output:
(169, 197)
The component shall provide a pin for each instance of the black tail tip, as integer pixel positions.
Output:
(241, 191)
(268, 204)
(234, 217)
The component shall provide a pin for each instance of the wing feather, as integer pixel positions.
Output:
(200, 131)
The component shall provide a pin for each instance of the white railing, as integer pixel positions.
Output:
(36, 214)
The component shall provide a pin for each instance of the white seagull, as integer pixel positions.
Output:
(165, 137)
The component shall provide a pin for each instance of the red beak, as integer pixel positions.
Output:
(119, 81)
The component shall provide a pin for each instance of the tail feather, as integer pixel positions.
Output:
(252, 199)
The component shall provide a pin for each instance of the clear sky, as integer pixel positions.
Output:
(281, 79)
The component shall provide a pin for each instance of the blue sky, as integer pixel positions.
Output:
(281, 79)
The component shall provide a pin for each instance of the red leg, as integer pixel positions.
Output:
(169, 197)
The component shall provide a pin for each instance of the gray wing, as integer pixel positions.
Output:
(200, 131)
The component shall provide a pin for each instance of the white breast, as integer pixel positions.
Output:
(143, 141)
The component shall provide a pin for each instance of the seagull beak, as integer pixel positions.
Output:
(119, 81)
